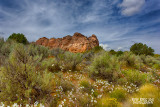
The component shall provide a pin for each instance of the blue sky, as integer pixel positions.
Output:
(117, 23)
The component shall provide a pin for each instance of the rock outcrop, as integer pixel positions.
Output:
(75, 43)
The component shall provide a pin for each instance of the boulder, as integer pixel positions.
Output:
(75, 43)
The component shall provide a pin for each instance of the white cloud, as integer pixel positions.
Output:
(114, 47)
(131, 7)
(119, 48)
(105, 46)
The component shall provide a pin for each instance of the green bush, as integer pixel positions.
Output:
(150, 61)
(119, 94)
(131, 60)
(88, 55)
(83, 101)
(156, 66)
(49, 64)
(1, 42)
(105, 67)
(97, 49)
(57, 53)
(71, 60)
(122, 81)
(67, 61)
(136, 77)
(62, 82)
(2, 60)
(87, 87)
(80, 100)
(20, 81)
(66, 85)
(38, 50)
(54, 67)
(19, 37)
(141, 49)
(6, 48)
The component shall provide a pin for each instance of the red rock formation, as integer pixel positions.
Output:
(75, 43)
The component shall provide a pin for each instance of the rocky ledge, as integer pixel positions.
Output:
(75, 43)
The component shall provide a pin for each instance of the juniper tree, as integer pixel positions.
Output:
(18, 37)
(141, 49)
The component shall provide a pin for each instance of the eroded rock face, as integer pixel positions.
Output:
(75, 43)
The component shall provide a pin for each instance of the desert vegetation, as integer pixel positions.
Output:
(34, 75)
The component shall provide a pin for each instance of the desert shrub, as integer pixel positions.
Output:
(79, 100)
(88, 56)
(6, 48)
(20, 82)
(131, 60)
(2, 60)
(150, 61)
(71, 60)
(97, 49)
(156, 77)
(57, 53)
(136, 77)
(108, 102)
(105, 67)
(149, 92)
(19, 37)
(156, 66)
(62, 82)
(94, 93)
(58, 64)
(1, 55)
(141, 49)
(157, 55)
(50, 64)
(1, 42)
(121, 81)
(66, 60)
(87, 86)
(39, 50)
(66, 85)
(84, 101)
(145, 69)
(54, 67)
(119, 94)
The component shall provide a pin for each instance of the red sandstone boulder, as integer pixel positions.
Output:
(75, 43)
(42, 41)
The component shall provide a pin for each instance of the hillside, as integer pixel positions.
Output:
(39, 75)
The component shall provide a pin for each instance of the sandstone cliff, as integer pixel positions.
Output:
(75, 43)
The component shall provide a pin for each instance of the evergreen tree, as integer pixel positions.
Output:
(113, 52)
(141, 49)
(19, 37)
